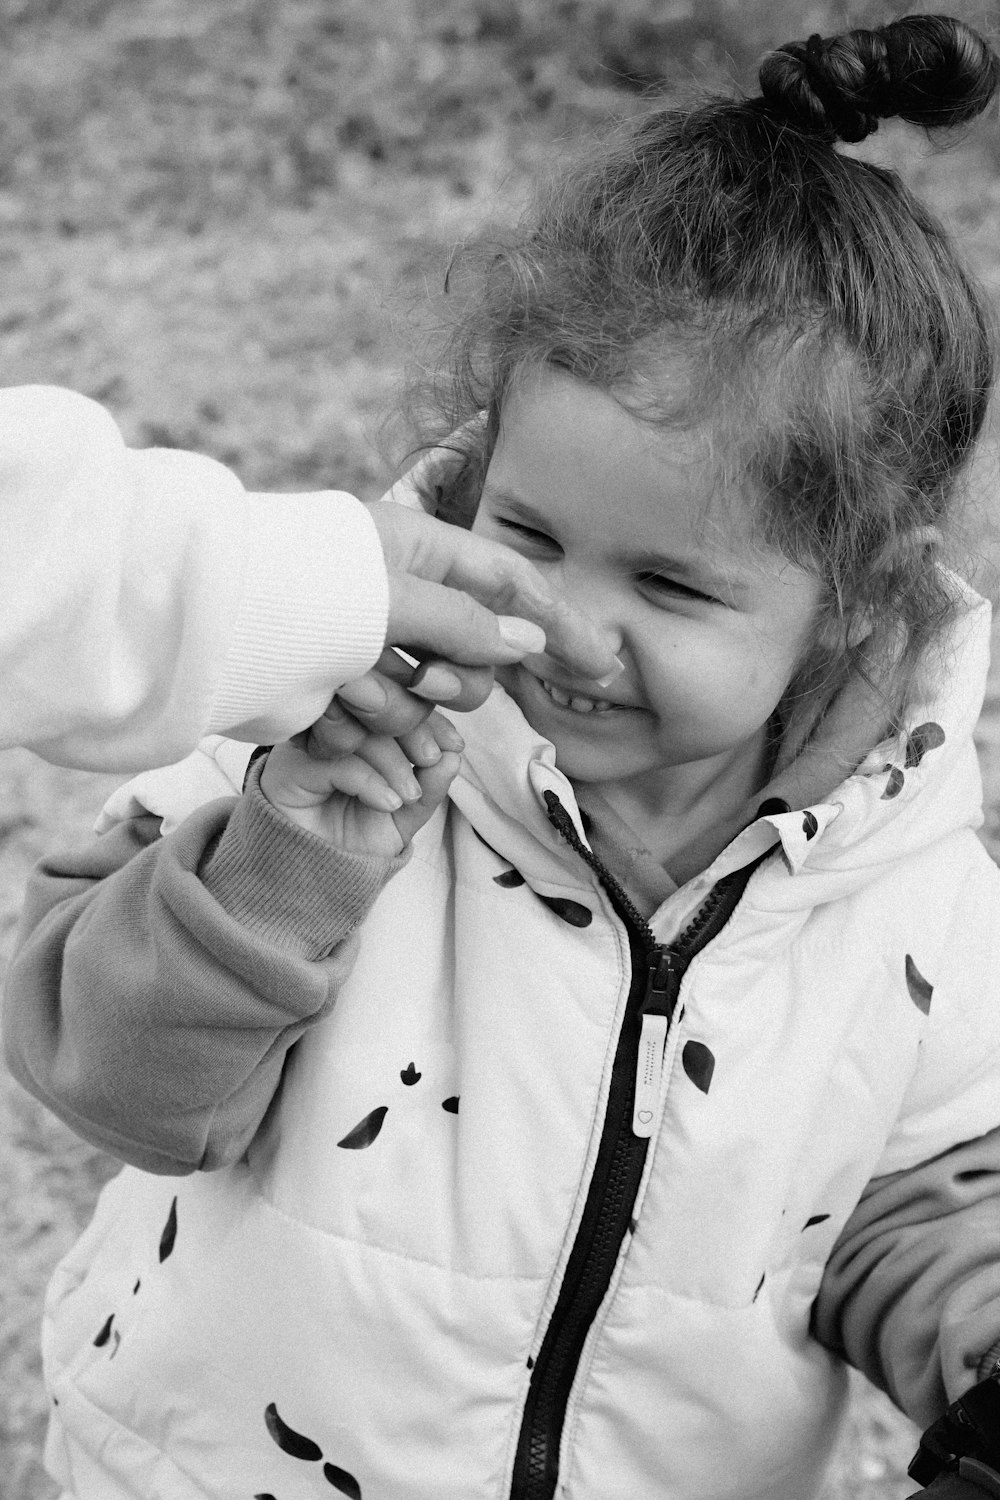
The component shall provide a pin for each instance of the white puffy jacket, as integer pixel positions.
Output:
(458, 1261)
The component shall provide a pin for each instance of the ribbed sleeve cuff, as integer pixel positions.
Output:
(286, 885)
(312, 615)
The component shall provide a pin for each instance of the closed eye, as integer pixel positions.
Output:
(539, 538)
(660, 584)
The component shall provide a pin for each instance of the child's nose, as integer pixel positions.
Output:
(598, 599)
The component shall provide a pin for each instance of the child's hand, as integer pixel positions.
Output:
(371, 796)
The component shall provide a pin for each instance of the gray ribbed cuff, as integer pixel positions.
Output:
(287, 885)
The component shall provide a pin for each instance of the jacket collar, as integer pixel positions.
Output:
(844, 810)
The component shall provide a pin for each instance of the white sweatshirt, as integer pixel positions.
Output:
(148, 599)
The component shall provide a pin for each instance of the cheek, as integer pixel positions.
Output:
(721, 688)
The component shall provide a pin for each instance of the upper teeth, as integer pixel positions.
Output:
(579, 704)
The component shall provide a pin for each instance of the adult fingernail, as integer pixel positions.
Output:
(436, 683)
(365, 694)
(521, 635)
(612, 676)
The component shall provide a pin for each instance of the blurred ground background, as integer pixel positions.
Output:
(220, 218)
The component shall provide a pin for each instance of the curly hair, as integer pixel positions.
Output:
(725, 266)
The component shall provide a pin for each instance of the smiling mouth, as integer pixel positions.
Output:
(576, 701)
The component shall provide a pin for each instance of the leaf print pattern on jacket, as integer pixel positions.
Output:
(297, 1445)
(367, 1131)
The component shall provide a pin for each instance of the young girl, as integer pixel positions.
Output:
(578, 1119)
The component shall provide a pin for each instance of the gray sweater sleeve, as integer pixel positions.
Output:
(159, 982)
(911, 1291)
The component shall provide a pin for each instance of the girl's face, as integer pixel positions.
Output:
(620, 517)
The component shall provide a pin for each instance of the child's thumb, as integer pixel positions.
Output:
(434, 783)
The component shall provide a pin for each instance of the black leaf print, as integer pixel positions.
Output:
(169, 1234)
(289, 1441)
(105, 1333)
(920, 990)
(925, 737)
(507, 878)
(451, 1105)
(810, 826)
(264, 1495)
(572, 912)
(365, 1131)
(699, 1065)
(773, 807)
(342, 1481)
(760, 1285)
(409, 1075)
(136, 1287)
(894, 785)
(816, 1219)
(531, 1363)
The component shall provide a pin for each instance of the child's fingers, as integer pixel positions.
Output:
(346, 725)
(425, 744)
(293, 780)
(434, 783)
(336, 733)
(381, 702)
(387, 758)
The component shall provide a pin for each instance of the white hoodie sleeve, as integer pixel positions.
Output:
(149, 600)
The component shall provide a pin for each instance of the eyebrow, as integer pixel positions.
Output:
(699, 574)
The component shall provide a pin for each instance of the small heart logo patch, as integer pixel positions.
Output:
(645, 1115)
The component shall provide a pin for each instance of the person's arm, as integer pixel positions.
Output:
(148, 600)
(911, 1297)
(911, 1290)
(159, 982)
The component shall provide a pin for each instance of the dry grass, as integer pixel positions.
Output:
(214, 218)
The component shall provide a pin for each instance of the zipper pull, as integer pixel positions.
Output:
(656, 1009)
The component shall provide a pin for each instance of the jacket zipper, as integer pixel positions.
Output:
(657, 971)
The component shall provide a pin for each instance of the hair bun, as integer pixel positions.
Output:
(930, 70)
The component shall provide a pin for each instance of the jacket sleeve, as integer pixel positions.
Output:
(159, 982)
(148, 600)
(911, 1292)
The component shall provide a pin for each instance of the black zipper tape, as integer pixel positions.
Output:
(657, 971)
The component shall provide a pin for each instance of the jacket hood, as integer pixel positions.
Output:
(837, 831)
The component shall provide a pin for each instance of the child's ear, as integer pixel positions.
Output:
(851, 628)
(859, 629)
(907, 548)
(923, 536)
(844, 632)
